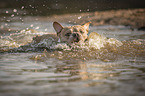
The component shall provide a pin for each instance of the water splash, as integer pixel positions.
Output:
(97, 41)
(97, 47)
(17, 39)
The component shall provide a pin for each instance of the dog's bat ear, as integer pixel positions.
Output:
(58, 27)
(86, 25)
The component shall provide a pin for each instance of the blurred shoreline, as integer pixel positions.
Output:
(99, 12)
(133, 18)
(128, 17)
(51, 7)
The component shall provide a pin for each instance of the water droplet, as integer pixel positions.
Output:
(79, 17)
(6, 24)
(15, 10)
(46, 29)
(8, 20)
(9, 29)
(12, 15)
(31, 25)
(22, 7)
(37, 28)
(7, 11)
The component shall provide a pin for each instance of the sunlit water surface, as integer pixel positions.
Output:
(112, 63)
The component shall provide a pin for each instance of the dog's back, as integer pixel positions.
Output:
(37, 39)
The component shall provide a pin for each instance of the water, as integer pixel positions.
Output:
(115, 67)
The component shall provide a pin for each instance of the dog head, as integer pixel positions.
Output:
(72, 34)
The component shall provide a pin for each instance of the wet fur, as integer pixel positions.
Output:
(70, 34)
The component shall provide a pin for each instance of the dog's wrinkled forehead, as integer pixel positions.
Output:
(76, 28)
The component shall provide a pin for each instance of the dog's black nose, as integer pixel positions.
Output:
(76, 37)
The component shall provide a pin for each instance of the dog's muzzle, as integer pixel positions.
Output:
(76, 37)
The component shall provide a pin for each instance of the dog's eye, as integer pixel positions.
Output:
(67, 34)
(81, 32)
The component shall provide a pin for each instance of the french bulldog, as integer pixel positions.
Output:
(69, 35)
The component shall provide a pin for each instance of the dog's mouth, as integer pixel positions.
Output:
(75, 38)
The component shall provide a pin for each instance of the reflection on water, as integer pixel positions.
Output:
(53, 76)
(115, 67)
